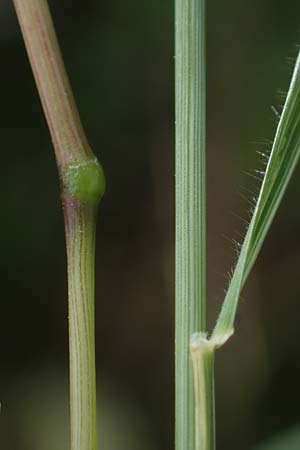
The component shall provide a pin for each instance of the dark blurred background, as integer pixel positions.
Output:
(119, 55)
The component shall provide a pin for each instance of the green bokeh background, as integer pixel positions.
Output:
(119, 55)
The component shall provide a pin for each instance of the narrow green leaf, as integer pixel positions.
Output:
(283, 159)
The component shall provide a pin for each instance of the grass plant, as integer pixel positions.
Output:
(190, 239)
(82, 186)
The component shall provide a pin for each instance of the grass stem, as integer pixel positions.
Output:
(80, 238)
(82, 186)
(203, 364)
(190, 204)
(52, 81)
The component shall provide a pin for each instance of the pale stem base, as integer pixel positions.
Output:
(203, 366)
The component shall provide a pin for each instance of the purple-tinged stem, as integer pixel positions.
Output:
(82, 186)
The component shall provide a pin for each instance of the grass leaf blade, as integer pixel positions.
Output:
(283, 159)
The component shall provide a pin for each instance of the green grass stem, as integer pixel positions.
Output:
(190, 205)
(80, 222)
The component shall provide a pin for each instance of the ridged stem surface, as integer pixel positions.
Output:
(190, 204)
(82, 186)
(80, 223)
